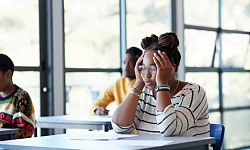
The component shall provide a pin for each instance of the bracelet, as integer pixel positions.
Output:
(162, 85)
(135, 93)
(162, 88)
(137, 89)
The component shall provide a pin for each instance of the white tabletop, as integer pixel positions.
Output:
(6, 131)
(81, 141)
(77, 121)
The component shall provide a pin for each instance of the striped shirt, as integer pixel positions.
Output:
(186, 116)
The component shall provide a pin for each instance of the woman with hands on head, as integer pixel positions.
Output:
(158, 102)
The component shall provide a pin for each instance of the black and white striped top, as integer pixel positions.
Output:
(186, 116)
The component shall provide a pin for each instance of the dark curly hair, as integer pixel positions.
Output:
(167, 42)
(134, 51)
(6, 63)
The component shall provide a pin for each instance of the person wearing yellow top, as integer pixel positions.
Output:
(118, 91)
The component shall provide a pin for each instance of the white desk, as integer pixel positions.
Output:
(90, 122)
(63, 142)
(7, 133)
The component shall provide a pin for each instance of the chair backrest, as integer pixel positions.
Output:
(217, 131)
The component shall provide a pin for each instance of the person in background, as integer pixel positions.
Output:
(16, 108)
(159, 103)
(118, 91)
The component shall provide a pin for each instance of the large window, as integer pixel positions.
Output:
(92, 43)
(84, 87)
(92, 34)
(19, 36)
(217, 57)
(217, 51)
(145, 18)
(92, 51)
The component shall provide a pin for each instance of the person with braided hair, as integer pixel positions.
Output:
(159, 103)
(118, 91)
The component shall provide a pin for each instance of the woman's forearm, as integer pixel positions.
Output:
(125, 113)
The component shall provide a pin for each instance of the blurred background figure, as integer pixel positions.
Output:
(118, 91)
(16, 108)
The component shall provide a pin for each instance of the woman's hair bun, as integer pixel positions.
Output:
(148, 41)
(169, 40)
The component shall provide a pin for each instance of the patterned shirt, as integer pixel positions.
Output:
(186, 116)
(17, 111)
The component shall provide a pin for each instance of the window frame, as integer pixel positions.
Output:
(220, 70)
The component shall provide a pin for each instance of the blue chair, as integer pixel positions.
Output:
(217, 131)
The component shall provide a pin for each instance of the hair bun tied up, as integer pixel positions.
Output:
(169, 40)
(148, 41)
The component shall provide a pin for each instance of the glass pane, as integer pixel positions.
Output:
(209, 81)
(83, 88)
(236, 14)
(237, 94)
(199, 48)
(145, 18)
(92, 34)
(23, 79)
(19, 31)
(237, 129)
(247, 62)
(234, 50)
(197, 12)
(214, 117)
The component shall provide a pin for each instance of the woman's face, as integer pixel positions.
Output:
(148, 70)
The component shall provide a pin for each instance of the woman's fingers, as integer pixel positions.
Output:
(157, 63)
(165, 59)
(139, 61)
(136, 69)
(163, 56)
(159, 59)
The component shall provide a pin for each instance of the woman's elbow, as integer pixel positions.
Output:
(166, 134)
(168, 130)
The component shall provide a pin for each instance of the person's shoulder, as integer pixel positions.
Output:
(20, 92)
(120, 80)
(193, 87)
(124, 80)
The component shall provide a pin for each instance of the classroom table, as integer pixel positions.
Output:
(7, 133)
(90, 122)
(82, 141)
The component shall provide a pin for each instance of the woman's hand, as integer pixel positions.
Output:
(139, 80)
(165, 69)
